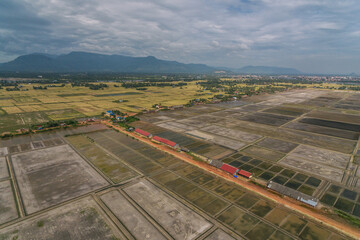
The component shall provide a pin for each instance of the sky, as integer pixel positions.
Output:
(313, 36)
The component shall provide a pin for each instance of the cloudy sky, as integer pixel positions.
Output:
(314, 36)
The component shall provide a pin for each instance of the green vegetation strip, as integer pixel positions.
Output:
(355, 221)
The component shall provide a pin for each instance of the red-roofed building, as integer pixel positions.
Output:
(230, 169)
(167, 142)
(245, 173)
(142, 132)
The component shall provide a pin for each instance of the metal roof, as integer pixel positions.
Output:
(245, 173)
(293, 193)
(166, 141)
(142, 132)
(229, 169)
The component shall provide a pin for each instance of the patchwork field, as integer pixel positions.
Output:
(21, 109)
(209, 194)
(95, 183)
(301, 139)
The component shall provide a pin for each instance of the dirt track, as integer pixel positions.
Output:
(290, 203)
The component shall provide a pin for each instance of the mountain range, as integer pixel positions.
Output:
(93, 62)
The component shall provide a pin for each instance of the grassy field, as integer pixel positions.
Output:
(10, 122)
(23, 108)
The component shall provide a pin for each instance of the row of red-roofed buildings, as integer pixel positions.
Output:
(235, 171)
(230, 169)
(142, 132)
(223, 166)
(157, 138)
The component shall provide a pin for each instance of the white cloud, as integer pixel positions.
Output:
(326, 26)
(217, 32)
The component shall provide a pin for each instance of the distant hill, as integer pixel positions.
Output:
(268, 70)
(92, 62)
